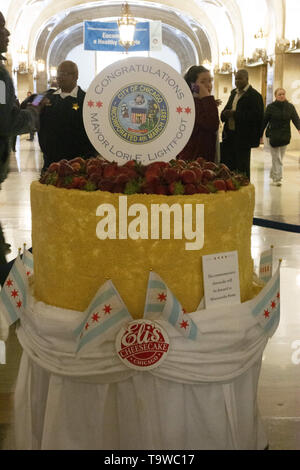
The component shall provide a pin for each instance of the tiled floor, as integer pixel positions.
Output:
(279, 386)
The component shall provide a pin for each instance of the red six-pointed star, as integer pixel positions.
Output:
(99, 104)
(28, 273)
(95, 317)
(179, 109)
(90, 104)
(19, 304)
(9, 283)
(14, 293)
(184, 324)
(266, 313)
(87, 326)
(162, 297)
(107, 308)
(278, 295)
(273, 304)
(188, 110)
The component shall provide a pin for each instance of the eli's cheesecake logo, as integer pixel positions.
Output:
(138, 113)
(142, 344)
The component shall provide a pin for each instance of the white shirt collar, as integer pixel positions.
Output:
(63, 94)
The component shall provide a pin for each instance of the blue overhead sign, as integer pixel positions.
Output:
(104, 36)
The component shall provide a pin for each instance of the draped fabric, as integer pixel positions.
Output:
(203, 396)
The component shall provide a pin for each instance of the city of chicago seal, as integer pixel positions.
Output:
(139, 113)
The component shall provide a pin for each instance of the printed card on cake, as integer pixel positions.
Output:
(221, 279)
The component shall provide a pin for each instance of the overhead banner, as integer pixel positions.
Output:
(104, 36)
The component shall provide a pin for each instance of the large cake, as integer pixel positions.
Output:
(72, 262)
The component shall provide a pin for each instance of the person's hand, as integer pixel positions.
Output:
(228, 113)
(218, 102)
(45, 101)
(203, 91)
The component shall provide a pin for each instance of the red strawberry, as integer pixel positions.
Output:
(65, 169)
(188, 176)
(54, 167)
(198, 173)
(210, 166)
(105, 185)
(220, 185)
(202, 189)
(161, 189)
(230, 184)
(78, 182)
(76, 167)
(151, 177)
(190, 189)
(208, 175)
(129, 164)
(170, 175)
(110, 171)
(176, 188)
(201, 161)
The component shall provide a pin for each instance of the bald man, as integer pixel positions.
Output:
(62, 133)
(243, 118)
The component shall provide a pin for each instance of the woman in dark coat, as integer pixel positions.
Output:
(277, 118)
(202, 142)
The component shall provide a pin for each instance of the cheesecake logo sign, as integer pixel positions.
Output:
(138, 113)
(139, 109)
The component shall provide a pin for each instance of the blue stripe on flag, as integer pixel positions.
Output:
(193, 331)
(20, 282)
(28, 261)
(155, 307)
(9, 306)
(175, 312)
(156, 285)
(270, 294)
(104, 297)
(103, 327)
(107, 294)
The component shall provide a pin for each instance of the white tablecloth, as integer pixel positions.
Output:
(203, 396)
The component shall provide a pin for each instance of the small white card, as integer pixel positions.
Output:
(221, 279)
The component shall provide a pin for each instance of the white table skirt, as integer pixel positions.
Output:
(203, 396)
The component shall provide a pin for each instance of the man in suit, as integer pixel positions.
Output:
(243, 118)
(62, 133)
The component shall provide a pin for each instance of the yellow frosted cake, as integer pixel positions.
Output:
(72, 258)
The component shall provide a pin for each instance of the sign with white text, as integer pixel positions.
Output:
(221, 279)
(105, 36)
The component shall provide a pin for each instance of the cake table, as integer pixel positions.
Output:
(203, 396)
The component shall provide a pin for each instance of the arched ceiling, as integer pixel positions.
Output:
(45, 21)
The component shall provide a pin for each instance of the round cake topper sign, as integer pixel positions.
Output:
(142, 344)
(139, 109)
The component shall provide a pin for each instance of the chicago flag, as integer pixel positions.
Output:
(28, 262)
(13, 296)
(266, 305)
(104, 316)
(161, 300)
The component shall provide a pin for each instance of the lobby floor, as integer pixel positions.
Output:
(279, 385)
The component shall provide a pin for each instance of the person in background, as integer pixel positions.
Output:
(13, 120)
(62, 133)
(243, 119)
(277, 119)
(202, 142)
(31, 135)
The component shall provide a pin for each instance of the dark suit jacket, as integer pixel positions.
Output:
(248, 117)
(62, 133)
